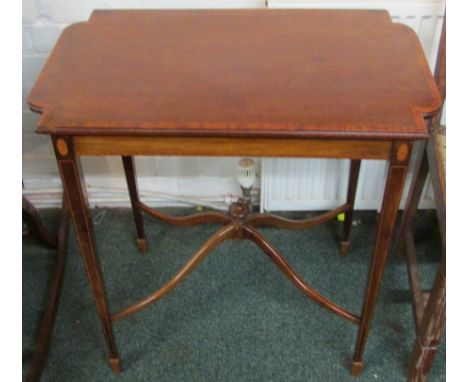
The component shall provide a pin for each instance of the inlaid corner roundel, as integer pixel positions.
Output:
(402, 152)
(62, 147)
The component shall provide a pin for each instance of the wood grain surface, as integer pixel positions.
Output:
(249, 73)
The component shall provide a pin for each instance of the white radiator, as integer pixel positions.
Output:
(320, 184)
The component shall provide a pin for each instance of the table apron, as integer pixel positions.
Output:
(231, 146)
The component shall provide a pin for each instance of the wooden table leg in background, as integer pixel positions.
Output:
(430, 322)
(391, 201)
(132, 183)
(430, 331)
(352, 187)
(54, 292)
(35, 227)
(75, 191)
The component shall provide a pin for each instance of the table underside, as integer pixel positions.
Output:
(238, 223)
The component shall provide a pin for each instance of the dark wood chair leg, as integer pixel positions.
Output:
(431, 321)
(75, 191)
(130, 175)
(55, 289)
(35, 227)
(352, 187)
(430, 331)
(393, 190)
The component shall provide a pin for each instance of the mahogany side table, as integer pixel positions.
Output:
(260, 83)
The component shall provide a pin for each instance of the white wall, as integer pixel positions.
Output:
(205, 180)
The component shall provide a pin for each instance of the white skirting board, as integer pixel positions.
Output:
(162, 181)
(156, 191)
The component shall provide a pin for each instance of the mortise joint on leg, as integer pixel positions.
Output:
(344, 248)
(115, 365)
(142, 245)
(356, 368)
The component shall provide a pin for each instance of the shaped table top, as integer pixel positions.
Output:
(246, 73)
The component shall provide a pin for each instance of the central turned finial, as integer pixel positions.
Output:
(240, 209)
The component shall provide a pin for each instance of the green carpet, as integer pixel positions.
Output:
(236, 317)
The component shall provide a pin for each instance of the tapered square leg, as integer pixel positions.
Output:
(75, 192)
(130, 175)
(391, 201)
(421, 169)
(352, 187)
